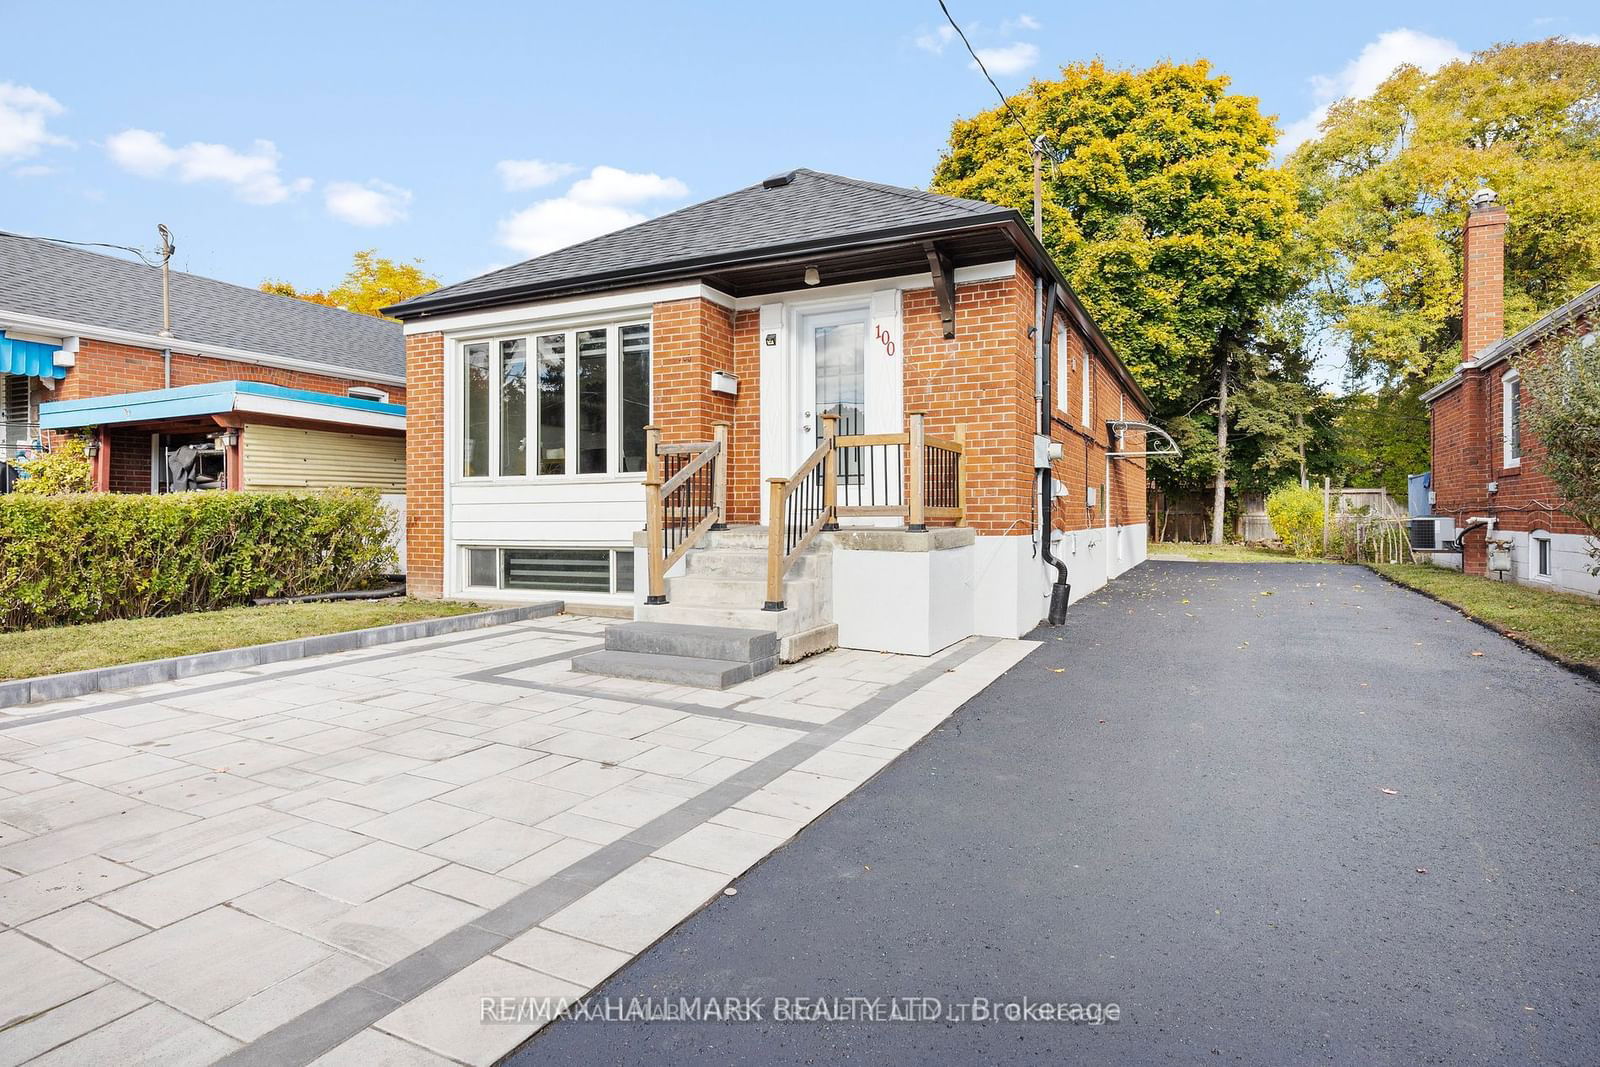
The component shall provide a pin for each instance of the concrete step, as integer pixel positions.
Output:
(782, 623)
(701, 642)
(742, 563)
(748, 538)
(674, 670)
(708, 591)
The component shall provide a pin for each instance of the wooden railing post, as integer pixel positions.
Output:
(775, 527)
(719, 475)
(655, 537)
(830, 473)
(961, 476)
(915, 519)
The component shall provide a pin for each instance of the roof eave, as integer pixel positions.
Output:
(427, 305)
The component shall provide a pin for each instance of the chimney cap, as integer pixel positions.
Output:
(1485, 198)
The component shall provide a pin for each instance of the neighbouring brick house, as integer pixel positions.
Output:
(265, 391)
(555, 406)
(1486, 462)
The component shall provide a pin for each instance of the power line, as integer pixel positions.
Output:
(98, 244)
(1038, 143)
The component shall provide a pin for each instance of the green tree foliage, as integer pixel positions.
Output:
(1166, 214)
(1564, 414)
(1296, 516)
(1387, 184)
(1380, 437)
(372, 284)
(97, 556)
(64, 469)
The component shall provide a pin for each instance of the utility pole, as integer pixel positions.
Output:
(167, 248)
(1300, 426)
(1219, 492)
(1037, 151)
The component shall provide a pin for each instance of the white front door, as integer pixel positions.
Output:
(833, 376)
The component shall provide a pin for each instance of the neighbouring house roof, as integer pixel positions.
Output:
(220, 398)
(760, 238)
(1585, 302)
(42, 282)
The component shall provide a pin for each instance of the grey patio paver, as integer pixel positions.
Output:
(281, 856)
(492, 845)
(447, 1018)
(83, 930)
(36, 979)
(55, 888)
(211, 961)
(154, 1035)
(367, 872)
(371, 1047)
(68, 1021)
(582, 962)
(633, 909)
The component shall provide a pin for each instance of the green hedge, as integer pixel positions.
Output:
(87, 558)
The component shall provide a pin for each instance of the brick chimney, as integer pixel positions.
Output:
(1483, 275)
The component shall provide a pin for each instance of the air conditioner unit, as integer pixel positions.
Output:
(1433, 533)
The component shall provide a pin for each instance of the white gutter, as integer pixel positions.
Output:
(63, 328)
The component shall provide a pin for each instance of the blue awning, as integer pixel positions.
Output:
(217, 398)
(33, 359)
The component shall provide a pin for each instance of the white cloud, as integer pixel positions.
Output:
(253, 173)
(377, 203)
(1021, 22)
(1583, 38)
(606, 199)
(611, 185)
(531, 173)
(935, 41)
(1009, 59)
(25, 114)
(33, 170)
(1363, 74)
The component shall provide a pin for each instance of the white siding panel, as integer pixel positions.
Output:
(575, 513)
(283, 457)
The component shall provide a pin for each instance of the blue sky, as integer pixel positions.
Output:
(277, 139)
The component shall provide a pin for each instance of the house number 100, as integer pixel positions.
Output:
(884, 339)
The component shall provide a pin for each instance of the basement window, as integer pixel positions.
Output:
(1544, 568)
(567, 570)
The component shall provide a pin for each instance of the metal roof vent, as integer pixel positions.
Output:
(778, 181)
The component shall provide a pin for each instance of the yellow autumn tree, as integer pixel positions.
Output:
(373, 283)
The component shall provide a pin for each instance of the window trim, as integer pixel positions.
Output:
(1534, 540)
(614, 554)
(1087, 415)
(530, 333)
(1064, 370)
(1510, 388)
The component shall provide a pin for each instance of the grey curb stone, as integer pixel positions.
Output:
(126, 676)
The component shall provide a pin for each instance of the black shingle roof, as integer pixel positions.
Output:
(56, 281)
(813, 209)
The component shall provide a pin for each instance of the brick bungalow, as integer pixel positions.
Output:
(1486, 463)
(865, 362)
(267, 392)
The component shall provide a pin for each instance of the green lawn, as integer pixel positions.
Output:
(31, 653)
(1562, 624)
(1223, 553)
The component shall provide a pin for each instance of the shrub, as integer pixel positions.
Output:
(1296, 516)
(1564, 415)
(90, 557)
(64, 469)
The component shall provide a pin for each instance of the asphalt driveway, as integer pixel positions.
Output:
(1278, 813)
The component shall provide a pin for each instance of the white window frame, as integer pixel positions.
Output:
(1088, 387)
(1534, 540)
(1064, 370)
(614, 556)
(1510, 396)
(530, 335)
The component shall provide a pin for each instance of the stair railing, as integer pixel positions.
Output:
(686, 496)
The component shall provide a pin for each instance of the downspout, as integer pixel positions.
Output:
(166, 368)
(1061, 591)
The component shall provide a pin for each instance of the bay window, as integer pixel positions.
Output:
(556, 403)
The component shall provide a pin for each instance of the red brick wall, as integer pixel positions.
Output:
(688, 340)
(425, 465)
(130, 461)
(103, 368)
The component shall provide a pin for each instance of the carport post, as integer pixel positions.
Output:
(102, 460)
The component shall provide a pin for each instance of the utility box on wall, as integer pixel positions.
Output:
(1499, 555)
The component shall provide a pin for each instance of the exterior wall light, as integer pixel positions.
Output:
(813, 276)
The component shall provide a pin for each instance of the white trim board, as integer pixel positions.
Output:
(600, 305)
(63, 328)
